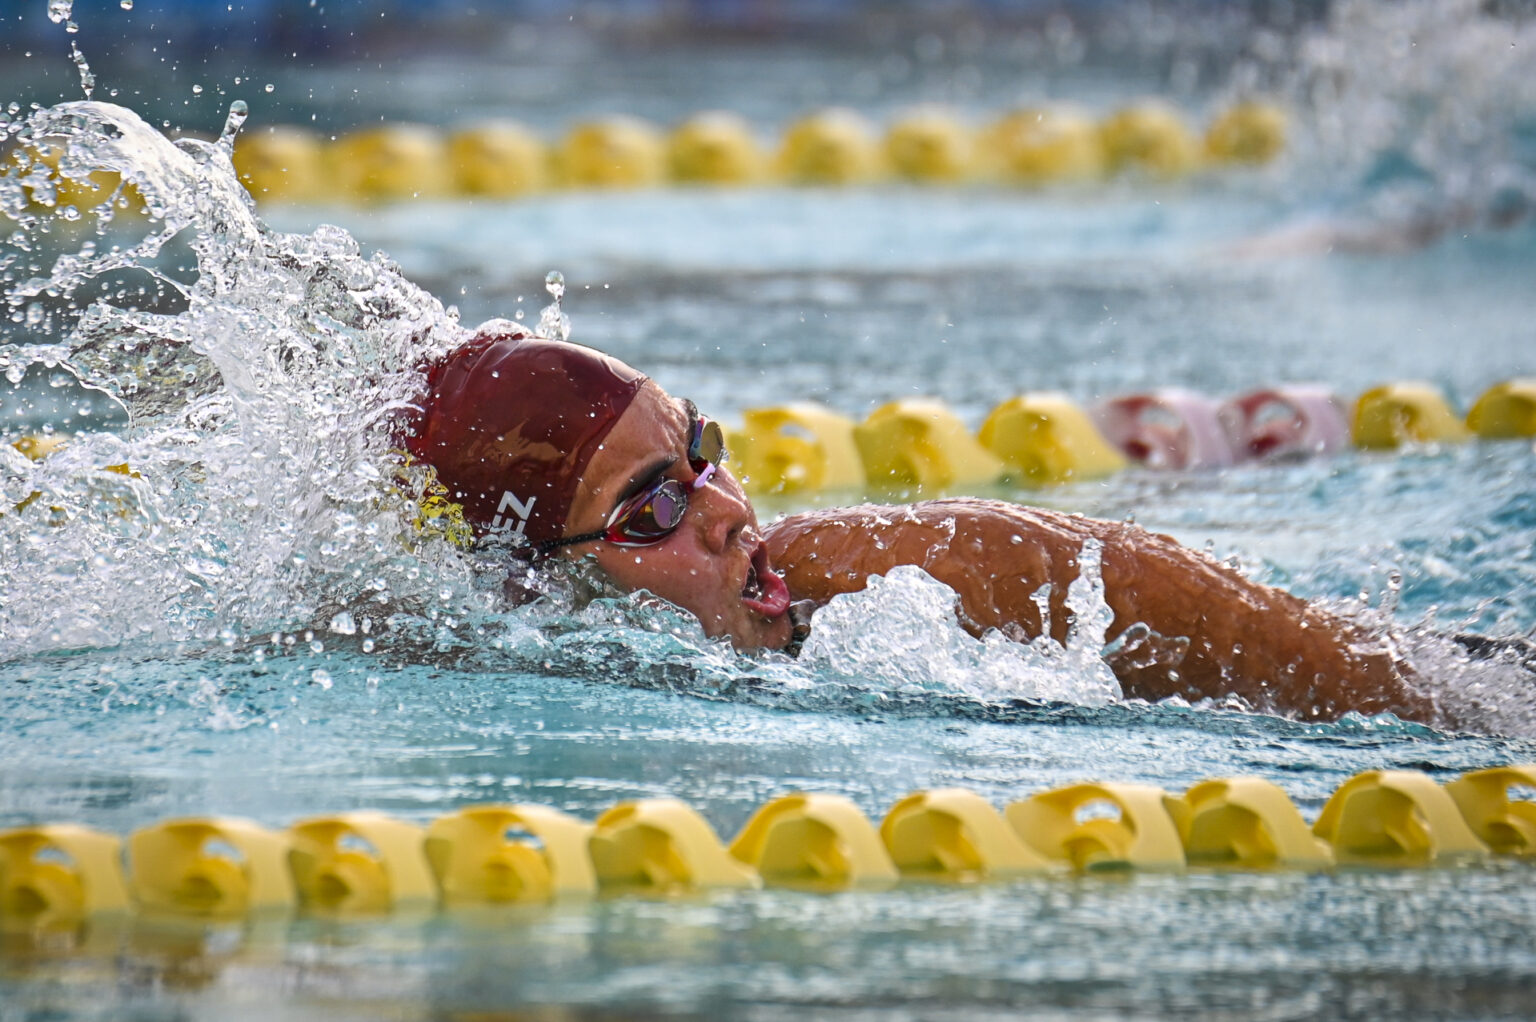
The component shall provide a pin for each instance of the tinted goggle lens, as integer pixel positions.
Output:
(651, 516)
(706, 448)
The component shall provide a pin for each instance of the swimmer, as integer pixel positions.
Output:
(575, 455)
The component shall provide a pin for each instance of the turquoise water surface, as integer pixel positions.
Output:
(246, 628)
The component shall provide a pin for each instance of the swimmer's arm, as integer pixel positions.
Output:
(1243, 638)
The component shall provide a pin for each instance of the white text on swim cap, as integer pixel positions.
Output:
(521, 511)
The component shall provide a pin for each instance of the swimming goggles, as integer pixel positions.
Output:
(655, 513)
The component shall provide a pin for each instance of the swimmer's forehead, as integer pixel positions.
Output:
(636, 454)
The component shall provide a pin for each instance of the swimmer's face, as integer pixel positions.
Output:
(715, 564)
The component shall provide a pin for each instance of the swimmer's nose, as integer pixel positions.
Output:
(724, 512)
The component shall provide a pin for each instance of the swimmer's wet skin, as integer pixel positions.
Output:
(1273, 649)
(586, 459)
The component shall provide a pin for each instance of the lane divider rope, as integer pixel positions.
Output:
(501, 158)
(1044, 438)
(362, 863)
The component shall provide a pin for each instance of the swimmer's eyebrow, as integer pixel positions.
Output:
(647, 475)
(643, 478)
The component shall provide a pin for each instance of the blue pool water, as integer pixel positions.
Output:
(241, 630)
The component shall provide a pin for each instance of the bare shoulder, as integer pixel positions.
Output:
(970, 544)
(962, 521)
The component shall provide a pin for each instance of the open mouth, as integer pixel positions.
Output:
(763, 590)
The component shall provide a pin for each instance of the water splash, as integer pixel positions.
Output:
(87, 79)
(900, 633)
(238, 112)
(260, 370)
(553, 322)
(1420, 112)
(63, 11)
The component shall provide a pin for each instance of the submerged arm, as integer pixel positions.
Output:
(1265, 645)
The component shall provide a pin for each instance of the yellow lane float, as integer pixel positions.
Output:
(955, 834)
(1250, 132)
(1409, 412)
(831, 147)
(498, 159)
(1044, 145)
(1248, 823)
(1044, 437)
(210, 866)
(919, 444)
(795, 448)
(1505, 410)
(1100, 826)
(1506, 826)
(715, 148)
(820, 841)
(359, 862)
(492, 854)
(281, 163)
(612, 152)
(390, 163)
(931, 145)
(662, 845)
(1150, 137)
(1396, 818)
(60, 874)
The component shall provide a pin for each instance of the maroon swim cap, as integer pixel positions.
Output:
(510, 421)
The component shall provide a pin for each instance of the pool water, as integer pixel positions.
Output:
(247, 628)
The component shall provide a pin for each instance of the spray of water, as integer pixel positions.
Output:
(254, 491)
(1422, 111)
(899, 634)
(252, 486)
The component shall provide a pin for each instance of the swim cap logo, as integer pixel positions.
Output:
(520, 509)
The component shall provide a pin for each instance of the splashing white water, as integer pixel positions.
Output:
(900, 632)
(253, 486)
(1424, 101)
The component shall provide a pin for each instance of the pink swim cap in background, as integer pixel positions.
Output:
(509, 421)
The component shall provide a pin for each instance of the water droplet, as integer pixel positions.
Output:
(320, 676)
(343, 624)
(87, 80)
(60, 10)
(269, 87)
(553, 322)
(1393, 593)
(238, 112)
(126, 5)
(197, 90)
